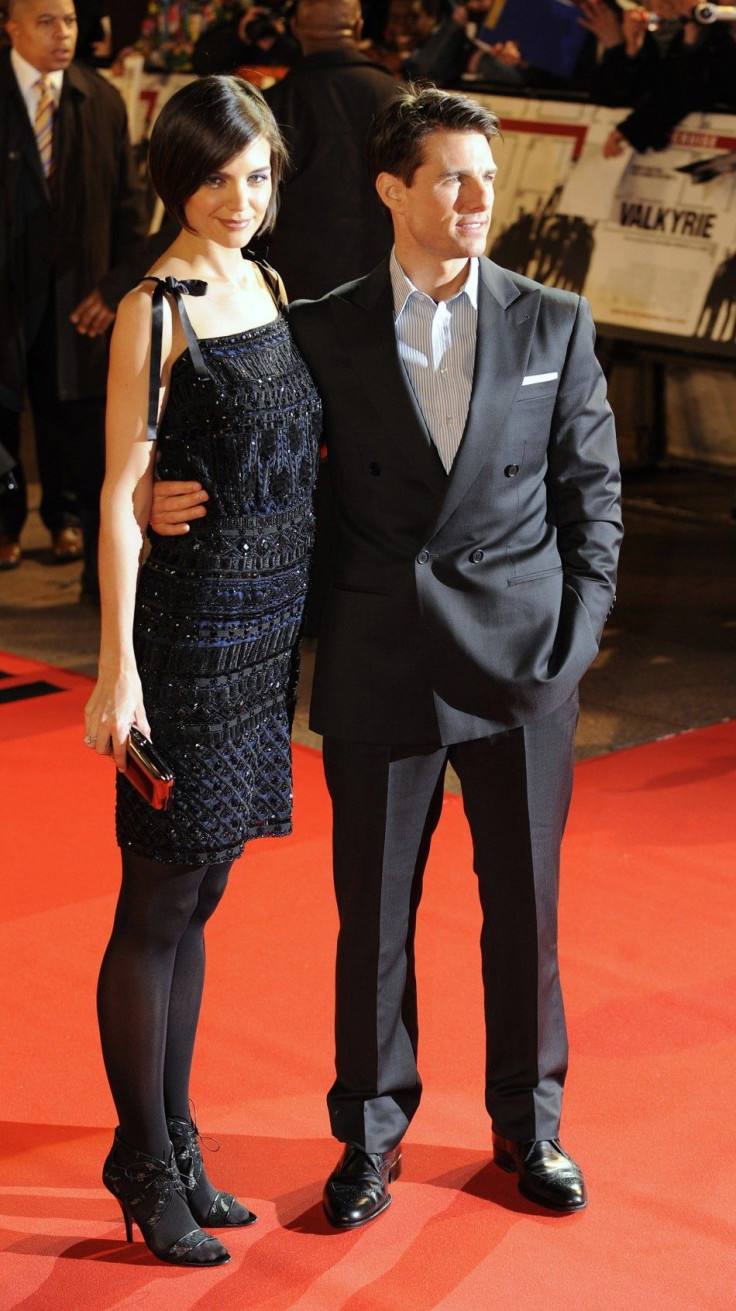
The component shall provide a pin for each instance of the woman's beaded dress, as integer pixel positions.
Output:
(219, 610)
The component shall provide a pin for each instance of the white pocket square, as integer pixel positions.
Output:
(531, 378)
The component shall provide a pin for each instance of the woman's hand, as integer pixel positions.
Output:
(115, 704)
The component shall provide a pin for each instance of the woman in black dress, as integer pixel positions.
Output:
(199, 649)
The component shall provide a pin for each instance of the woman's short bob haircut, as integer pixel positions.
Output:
(201, 128)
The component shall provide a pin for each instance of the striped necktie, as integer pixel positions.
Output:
(43, 124)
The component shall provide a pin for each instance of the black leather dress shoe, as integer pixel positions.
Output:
(547, 1175)
(357, 1189)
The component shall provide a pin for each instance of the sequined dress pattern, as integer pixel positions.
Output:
(218, 611)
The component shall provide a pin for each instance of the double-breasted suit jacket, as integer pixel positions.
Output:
(469, 603)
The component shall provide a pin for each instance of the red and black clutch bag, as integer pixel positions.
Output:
(147, 770)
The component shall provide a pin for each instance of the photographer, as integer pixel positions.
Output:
(695, 70)
(258, 36)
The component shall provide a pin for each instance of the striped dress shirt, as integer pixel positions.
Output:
(436, 342)
(27, 78)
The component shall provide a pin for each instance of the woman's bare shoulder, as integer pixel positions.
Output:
(132, 329)
(136, 305)
(137, 301)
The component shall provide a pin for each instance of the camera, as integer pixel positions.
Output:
(268, 22)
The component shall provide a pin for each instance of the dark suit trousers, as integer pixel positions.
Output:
(70, 449)
(387, 801)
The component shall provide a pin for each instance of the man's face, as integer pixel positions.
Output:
(45, 33)
(446, 211)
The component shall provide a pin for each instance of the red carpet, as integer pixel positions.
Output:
(648, 968)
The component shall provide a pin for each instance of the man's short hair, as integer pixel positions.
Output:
(397, 134)
(201, 127)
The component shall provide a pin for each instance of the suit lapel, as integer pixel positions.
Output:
(366, 320)
(506, 322)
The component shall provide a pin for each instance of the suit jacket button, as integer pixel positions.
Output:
(476, 557)
(423, 557)
(511, 470)
(374, 468)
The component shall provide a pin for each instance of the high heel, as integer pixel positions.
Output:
(145, 1189)
(207, 1205)
(126, 1220)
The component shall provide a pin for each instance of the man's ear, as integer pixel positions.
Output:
(391, 191)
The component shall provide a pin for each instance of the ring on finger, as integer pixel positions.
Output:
(89, 741)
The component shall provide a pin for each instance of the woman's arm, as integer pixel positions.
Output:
(117, 701)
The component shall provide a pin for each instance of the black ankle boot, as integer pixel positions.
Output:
(207, 1205)
(148, 1191)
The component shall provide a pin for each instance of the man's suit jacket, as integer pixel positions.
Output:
(467, 603)
(87, 231)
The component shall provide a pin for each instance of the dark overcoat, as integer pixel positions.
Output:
(331, 225)
(86, 231)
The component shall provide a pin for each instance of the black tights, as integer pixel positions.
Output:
(150, 991)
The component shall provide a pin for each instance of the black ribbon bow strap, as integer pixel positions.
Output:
(176, 289)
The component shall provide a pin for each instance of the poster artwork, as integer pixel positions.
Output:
(649, 239)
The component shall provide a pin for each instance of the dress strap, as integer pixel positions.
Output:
(170, 287)
(270, 277)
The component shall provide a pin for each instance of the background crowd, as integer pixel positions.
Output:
(616, 51)
(331, 64)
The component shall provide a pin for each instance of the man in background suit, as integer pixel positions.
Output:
(474, 466)
(330, 224)
(324, 107)
(72, 215)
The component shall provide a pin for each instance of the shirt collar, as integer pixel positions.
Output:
(26, 75)
(402, 286)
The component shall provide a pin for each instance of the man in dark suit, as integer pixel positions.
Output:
(72, 216)
(324, 107)
(474, 465)
(330, 225)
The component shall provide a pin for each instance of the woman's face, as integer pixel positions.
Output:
(231, 204)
